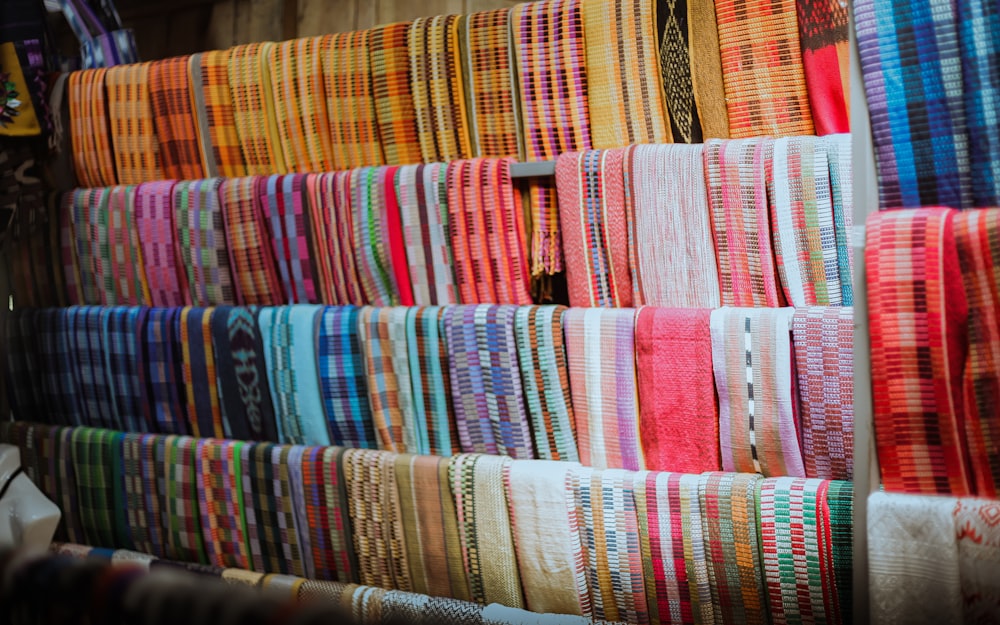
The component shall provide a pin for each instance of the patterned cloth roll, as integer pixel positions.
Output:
(490, 83)
(283, 200)
(752, 360)
(328, 527)
(128, 273)
(384, 344)
(293, 463)
(220, 502)
(65, 481)
(424, 213)
(392, 233)
(22, 364)
(329, 202)
(438, 92)
(595, 234)
(350, 103)
(204, 409)
(342, 378)
(625, 95)
(671, 250)
(86, 344)
(918, 318)
(545, 380)
(144, 501)
(823, 340)
(298, 87)
(374, 258)
(248, 240)
(220, 141)
(171, 102)
(762, 69)
(84, 137)
(838, 156)
(430, 380)
(64, 250)
(254, 116)
(548, 43)
(133, 135)
(823, 34)
(279, 535)
(176, 457)
(154, 221)
(391, 89)
(162, 370)
(93, 464)
(241, 372)
(979, 49)
(201, 241)
(122, 331)
(477, 483)
(600, 351)
(737, 173)
(59, 378)
(977, 534)
(85, 214)
(840, 506)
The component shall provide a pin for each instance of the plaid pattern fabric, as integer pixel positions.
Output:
(438, 93)
(128, 274)
(370, 237)
(154, 221)
(122, 330)
(485, 380)
(178, 457)
(391, 90)
(298, 86)
(85, 232)
(548, 44)
(293, 462)
(737, 173)
(87, 347)
(488, 237)
(918, 328)
(248, 241)
(254, 108)
(283, 200)
(328, 534)
(430, 380)
(201, 239)
(840, 517)
(223, 154)
(220, 501)
(975, 21)
(392, 227)
(600, 353)
(58, 377)
(384, 345)
(67, 257)
(332, 223)
(838, 155)
(762, 69)
(425, 230)
(490, 83)
(93, 157)
(92, 466)
(625, 98)
(350, 103)
(141, 497)
(204, 410)
(276, 519)
(69, 502)
(170, 100)
(342, 378)
(133, 135)
(162, 371)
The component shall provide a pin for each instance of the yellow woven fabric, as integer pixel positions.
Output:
(390, 66)
(253, 109)
(298, 86)
(133, 135)
(350, 102)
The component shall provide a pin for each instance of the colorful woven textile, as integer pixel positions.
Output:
(392, 228)
(429, 379)
(805, 243)
(21, 364)
(979, 255)
(171, 104)
(838, 156)
(546, 556)
(737, 175)
(671, 250)
(977, 531)
(608, 530)
(92, 454)
(371, 244)
(384, 344)
(342, 378)
(254, 115)
(548, 43)
(142, 503)
(122, 331)
(823, 36)
(133, 135)
(86, 346)
(154, 221)
(823, 339)
(201, 239)
(67, 257)
(85, 215)
(391, 89)
(976, 21)
(93, 159)
(490, 83)
(328, 526)
(59, 378)
(128, 274)
(625, 96)
(248, 240)
(487, 233)
(595, 236)
(438, 92)
(283, 200)
(486, 381)
(840, 504)
(680, 421)
(65, 481)
(266, 469)
(545, 380)
(424, 213)
(161, 369)
(600, 351)
(477, 483)
(347, 75)
(204, 409)
(762, 69)
(242, 374)
(177, 456)
(298, 88)
(329, 201)
(918, 326)
(293, 462)
(752, 360)
(220, 141)
(220, 502)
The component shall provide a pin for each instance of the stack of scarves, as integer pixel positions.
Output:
(378, 238)
(283, 200)
(201, 242)
(255, 271)
(154, 221)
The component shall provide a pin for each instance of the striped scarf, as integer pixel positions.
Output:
(329, 525)
(490, 83)
(392, 92)
(154, 221)
(133, 135)
(430, 380)
(253, 103)
(823, 33)
(122, 331)
(171, 104)
(216, 114)
(58, 376)
(332, 223)
(342, 378)
(350, 101)
(92, 453)
(201, 239)
(384, 344)
(93, 156)
(162, 370)
(271, 527)
(85, 239)
(87, 348)
(283, 200)
(248, 240)
(298, 87)
(370, 236)
(220, 502)
(204, 409)
(838, 156)
(423, 210)
(128, 275)
(241, 373)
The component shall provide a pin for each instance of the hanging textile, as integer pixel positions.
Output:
(752, 360)
(839, 156)
(283, 200)
(823, 340)
(978, 542)
(823, 35)
(176, 457)
(87, 349)
(204, 410)
(546, 556)
(65, 480)
(172, 106)
(600, 352)
(423, 210)
(391, 89)
(94, 157)
(143, 501)
(671, 250)
(347, 75)
(133, 135)
(122, 330)
(342, 378)
(20, 355)
(65, 254)
(486, 381)
(384, 344)
(154, 221)
(918, 316)
(679, 427)
(127, 278)
(220, 502)
(490, 83)
(201, 238)
(254, 112)
(595, 237)
(250, 243)
(215, 110)
(161, 369)
(329, 526)
(93, 463)
(438, 93)
(488, 238)
(477, 483)
(85, 238)
(374, 256)
(430, 381)
(737, 175)
(241, 369)
(976, 21)
(625, 96)
(298, 88)
(392, 223)
(270, 509)
(293, 462)
(548, 43)
(545, 380)
(329, 202)
(840, 501)
(802, 216)
(59, 379)
(762, 69)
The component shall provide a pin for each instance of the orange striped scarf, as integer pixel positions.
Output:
(136, 147)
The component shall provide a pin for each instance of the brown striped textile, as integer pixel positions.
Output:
(390, 67)
(173, 115)
(136, 148)
(350, 102)
(221, 153)
(298, 88)
(706, 70)
(248, 240)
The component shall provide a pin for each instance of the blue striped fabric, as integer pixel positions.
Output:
(342, 379)
(58, 379)
(838, 155)
(204, 412)
(122, 328)
(979, 23)
(429, 378)
(26, 392)
(87, 345)
(161, 362)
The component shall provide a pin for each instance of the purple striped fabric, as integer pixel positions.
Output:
(284, 202)
(161, 363)
(87, 346)
(201, 239)
(154, 216)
